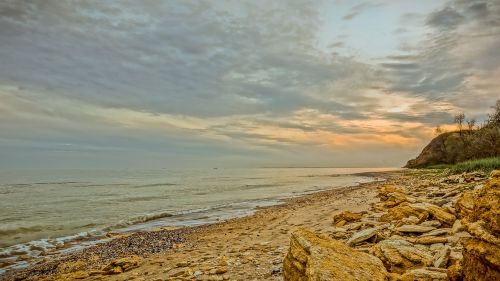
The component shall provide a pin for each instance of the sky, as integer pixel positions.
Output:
(189, 84)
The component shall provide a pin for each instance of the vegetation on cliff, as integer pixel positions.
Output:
(465, 144)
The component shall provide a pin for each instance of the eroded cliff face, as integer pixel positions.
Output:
(433, 153)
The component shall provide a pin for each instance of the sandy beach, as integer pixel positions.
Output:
(420, 211)
(249, 248)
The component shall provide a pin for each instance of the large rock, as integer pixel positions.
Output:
(314, 257)
(394, 199)
(362, 235)
(345, 217)
(425, 274)
(400, 255)
(437, 212)
(465, 204)
(481, 260)
(482, 252)
(403, 210)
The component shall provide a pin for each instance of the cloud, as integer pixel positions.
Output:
(447, 18)
(246, 80)
(356, 10)
(460, 48)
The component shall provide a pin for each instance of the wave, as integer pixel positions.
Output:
(156, 184)
(21, 229)
(138, 219)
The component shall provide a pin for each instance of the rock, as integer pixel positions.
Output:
(122, 265)
(457, 227)
(425, 274)
(487, 205)
(437, 212)
(400, 255)
(345, 217)
(433, 223)
(436, 247)
(182, 264)
(441, 258)
(314, 257)
(400, 212)
(481, 260)
(362, 235)
(221, 270)
(414, 228)
(481, 254)
(354, 226)
(477, 230)
(385, 189)
(428, 240)
(455, 273)
(410, 220)
(394, 198)
(464, 204)
(437, 232)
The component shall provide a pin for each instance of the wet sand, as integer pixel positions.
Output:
(248, 248)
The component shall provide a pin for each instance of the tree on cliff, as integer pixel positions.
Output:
(454, 147)
(459, 120)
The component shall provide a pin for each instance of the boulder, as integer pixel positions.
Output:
(481, 254)
(362, 235)
(385, 189)
(455, 272)
(437, 212)
(400, 255)
(403, 210)
(394, 199)
(314, 257)
(464, 204)
(345, 217)
(487, 205)
(441, 257)
(425, 274)
(481, 260)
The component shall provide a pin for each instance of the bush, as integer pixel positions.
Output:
(485, 165)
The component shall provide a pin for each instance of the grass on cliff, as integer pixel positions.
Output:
(485, 164)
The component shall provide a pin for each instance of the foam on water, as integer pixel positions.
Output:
(44, 210)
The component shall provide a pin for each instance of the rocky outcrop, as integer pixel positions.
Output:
(481, 255)
(314, 257)
(431, 228)
(433, 153)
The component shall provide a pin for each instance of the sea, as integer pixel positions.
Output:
(41, 210)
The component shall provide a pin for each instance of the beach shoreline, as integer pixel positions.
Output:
(171, 246)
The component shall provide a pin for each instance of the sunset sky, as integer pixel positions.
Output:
(103, 84)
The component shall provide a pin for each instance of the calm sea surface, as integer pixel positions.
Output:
(40, 209)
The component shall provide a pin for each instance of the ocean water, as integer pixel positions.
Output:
(41, 209)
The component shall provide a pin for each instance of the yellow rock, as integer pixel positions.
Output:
(122, 265)
(318, 258)
(403, 210)
(346, 216)
(481, 255)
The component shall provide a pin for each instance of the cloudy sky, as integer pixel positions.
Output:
(239, 83)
